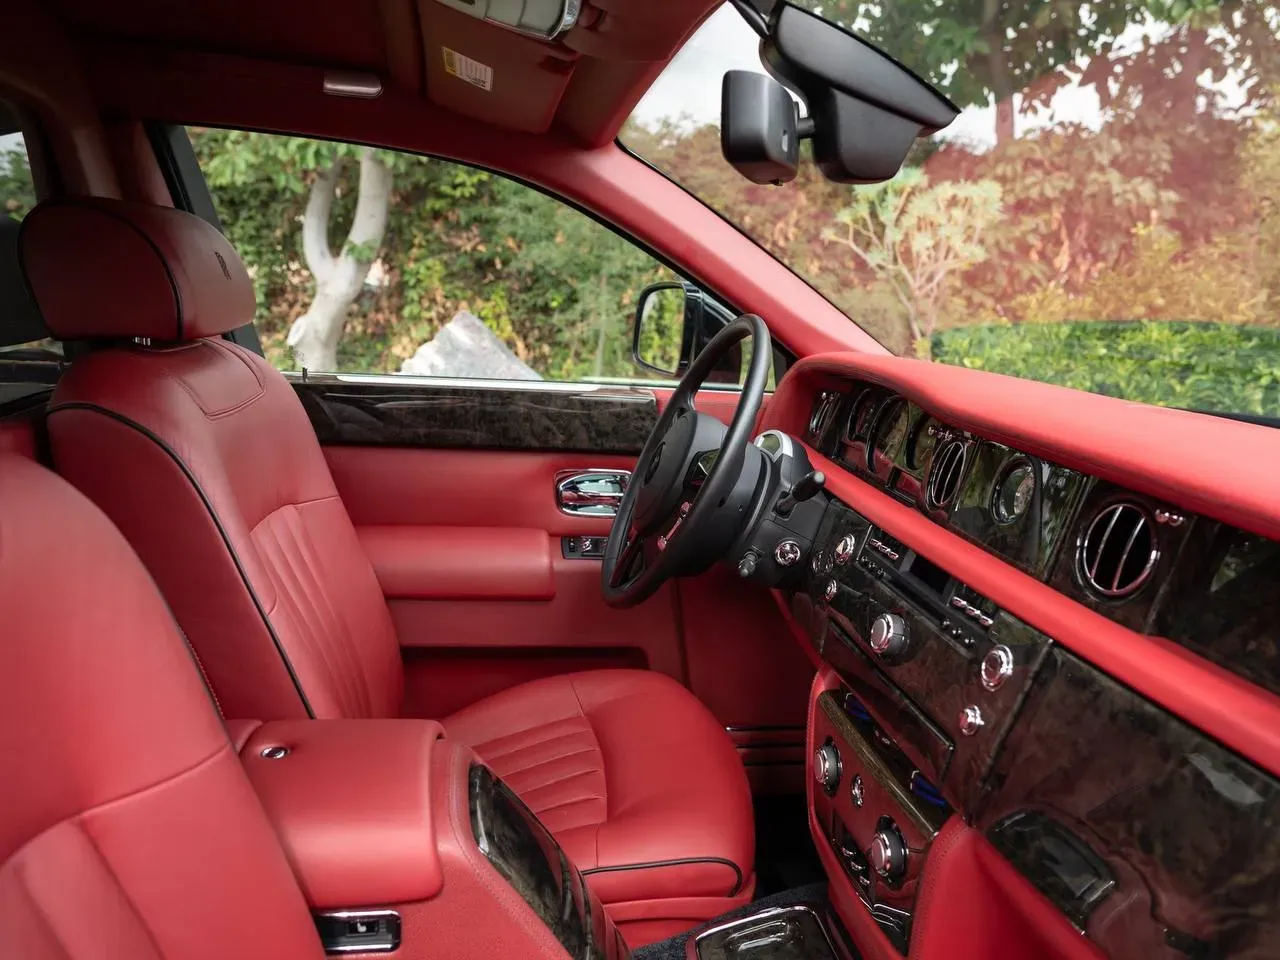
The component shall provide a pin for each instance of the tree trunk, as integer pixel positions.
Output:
(314, 336)
(998, 70)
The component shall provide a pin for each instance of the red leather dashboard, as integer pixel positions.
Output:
(1220, 468)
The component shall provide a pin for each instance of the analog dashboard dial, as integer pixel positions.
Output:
(1013, 492)
(889, 430)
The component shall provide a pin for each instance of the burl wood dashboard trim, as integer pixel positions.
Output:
(1135, 445)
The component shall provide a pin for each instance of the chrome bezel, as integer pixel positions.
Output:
(955, 465)
(1088, 577)
(1006, 473)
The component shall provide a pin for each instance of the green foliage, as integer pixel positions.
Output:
(17, 191)
(917, 238)
(556, 286)
(1200, 366)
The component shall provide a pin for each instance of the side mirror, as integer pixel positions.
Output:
(674, 321)
(662, 332)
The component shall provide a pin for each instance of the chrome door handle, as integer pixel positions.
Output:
(591, 493)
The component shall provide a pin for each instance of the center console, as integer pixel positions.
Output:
(403, 841)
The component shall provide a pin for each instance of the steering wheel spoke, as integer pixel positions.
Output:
(632, 551)
(663, 519)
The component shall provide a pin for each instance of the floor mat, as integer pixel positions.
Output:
(785, 856)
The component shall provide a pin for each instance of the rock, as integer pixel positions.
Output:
(464, 347)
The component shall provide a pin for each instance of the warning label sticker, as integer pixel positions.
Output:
(464, 68)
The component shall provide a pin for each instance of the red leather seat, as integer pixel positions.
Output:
(128, 828)
(203, 455)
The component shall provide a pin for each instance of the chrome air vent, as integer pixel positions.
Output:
(823, 409)
(945, 474)
(1118, 550)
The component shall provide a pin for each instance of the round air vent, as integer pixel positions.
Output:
(945, 474)
(1118, 550)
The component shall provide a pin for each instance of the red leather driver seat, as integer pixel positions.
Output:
(202, 454)
(128, 828)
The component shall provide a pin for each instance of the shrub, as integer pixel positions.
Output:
(1199, 366)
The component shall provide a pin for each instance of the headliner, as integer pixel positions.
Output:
(584, 83)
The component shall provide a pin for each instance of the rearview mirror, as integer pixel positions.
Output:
(865, 109)
(758, 127)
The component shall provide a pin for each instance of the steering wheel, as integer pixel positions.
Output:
(672, 518)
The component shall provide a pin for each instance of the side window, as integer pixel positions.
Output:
(29, 360)
(372, 261)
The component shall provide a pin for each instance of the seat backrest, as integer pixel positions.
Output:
(128, 827)
(202, 454)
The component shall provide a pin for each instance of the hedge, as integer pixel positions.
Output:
(1199, 366)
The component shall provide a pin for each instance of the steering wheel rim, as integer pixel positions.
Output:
(661, 554)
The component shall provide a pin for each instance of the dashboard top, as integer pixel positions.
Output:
(1222, 468)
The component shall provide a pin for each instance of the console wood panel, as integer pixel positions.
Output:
(1188, 832)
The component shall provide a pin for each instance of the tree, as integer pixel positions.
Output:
(917, 238)
(986, 51)
(339, 277)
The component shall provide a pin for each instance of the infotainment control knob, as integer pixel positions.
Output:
(888, 854)
(888, 635)
(826, 767)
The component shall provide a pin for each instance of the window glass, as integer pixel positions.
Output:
(372, 261)
(1103, 214)
(22, 331)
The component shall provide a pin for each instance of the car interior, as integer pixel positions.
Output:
(789, 647)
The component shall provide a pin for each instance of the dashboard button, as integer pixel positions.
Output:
(831, 590)
(971, 720)
(857, 792)
(844, 549)
(787, 553)
(997, 667)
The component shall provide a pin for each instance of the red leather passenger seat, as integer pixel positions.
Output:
(202, 454)
(128, 828)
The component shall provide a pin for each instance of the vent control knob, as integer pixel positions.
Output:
(826, 767)
(888, 854)
(997, 667)
(889, 635)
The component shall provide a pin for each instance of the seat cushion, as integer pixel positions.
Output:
(633, 775)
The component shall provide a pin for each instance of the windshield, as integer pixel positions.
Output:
(1103, 214)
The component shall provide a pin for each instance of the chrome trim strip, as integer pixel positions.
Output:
(772, 913)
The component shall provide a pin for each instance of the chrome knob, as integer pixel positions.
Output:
(888, 635)
(826, 767)
(831, 590)
(857, 792)
(997, 667)
(971, 720)
(888, 854)
(844, 549)
(786, 553)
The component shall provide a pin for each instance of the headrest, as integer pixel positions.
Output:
(102, 268)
